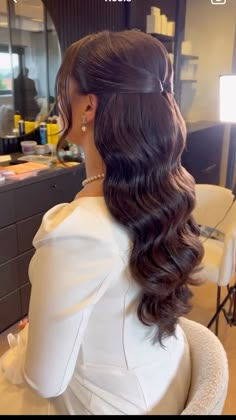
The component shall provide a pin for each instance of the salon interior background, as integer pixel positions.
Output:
(210, 151)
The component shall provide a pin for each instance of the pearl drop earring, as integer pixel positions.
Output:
(83, 121)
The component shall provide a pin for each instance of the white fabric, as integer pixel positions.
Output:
(210, 372)
(85, 350)
(214, 208)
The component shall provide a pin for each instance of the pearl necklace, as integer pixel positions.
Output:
(93, 178)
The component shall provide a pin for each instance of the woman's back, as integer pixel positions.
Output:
(119, 369)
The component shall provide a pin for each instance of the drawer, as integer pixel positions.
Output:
(8, 277)
(33, 199)
(26, 231)
(8, 244)
(10, 309)
(7, 209)
(25, 298)
(23, 267)
(65, 187)
(41, 196)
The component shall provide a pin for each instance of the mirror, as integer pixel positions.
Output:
(6, 98)
(29, 60)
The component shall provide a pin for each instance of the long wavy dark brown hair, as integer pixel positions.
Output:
(140, 135)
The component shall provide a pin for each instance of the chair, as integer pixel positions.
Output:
(209, 377)
(214, 208)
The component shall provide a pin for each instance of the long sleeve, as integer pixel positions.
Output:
(69, 272)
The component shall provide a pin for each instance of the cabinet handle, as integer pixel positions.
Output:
(54, 186)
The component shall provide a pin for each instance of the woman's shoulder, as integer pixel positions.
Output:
(77, 211)
(85, 217)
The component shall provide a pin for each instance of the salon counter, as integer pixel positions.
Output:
(22, 206)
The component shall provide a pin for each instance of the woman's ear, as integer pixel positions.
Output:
(91, 107)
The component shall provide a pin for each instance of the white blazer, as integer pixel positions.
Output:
(86, 348)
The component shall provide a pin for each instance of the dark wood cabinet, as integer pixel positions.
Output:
(22, 206)
(10, 309)
(7, 209)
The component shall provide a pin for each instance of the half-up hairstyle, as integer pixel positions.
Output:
(140, 135)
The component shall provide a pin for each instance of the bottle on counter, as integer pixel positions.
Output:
(43, 133)
(29, 125)
(21, 128)
(53, 135)
(17, 118)
(49, 125)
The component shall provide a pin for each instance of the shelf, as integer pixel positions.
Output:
(163, 38)
(188, 81)
(194, 126)
(189, 57)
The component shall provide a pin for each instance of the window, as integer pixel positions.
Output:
(6, 72)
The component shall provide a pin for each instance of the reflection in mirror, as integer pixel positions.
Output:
(29, 60)
(28, 42)
(54, 57)
(6, 98)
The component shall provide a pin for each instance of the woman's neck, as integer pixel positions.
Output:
(94, 166)
(93, 161)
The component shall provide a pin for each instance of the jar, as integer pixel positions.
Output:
(28, 147)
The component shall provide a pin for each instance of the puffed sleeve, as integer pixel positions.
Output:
(69, 272)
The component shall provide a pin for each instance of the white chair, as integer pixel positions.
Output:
(209, 376)
(214, 208)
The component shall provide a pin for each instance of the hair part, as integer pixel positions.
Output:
(140, 135)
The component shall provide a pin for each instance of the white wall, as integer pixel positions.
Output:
(211, 28)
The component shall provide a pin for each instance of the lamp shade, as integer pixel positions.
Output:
(228, 98)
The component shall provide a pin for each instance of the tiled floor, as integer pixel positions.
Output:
(203, 308)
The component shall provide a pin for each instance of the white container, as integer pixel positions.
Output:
(171, 28)
(155, 11)
(28, 147)
(164, 27)
(150, 24)
(52, 148)
(157, 27)
(41, 149)
(153, 24)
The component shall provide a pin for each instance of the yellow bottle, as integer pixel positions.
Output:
(29, 126)
(49, 126)
(17, 118)
(54, 132)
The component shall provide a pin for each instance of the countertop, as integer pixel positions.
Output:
(52, 171)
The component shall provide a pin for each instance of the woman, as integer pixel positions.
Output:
(111, 270)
